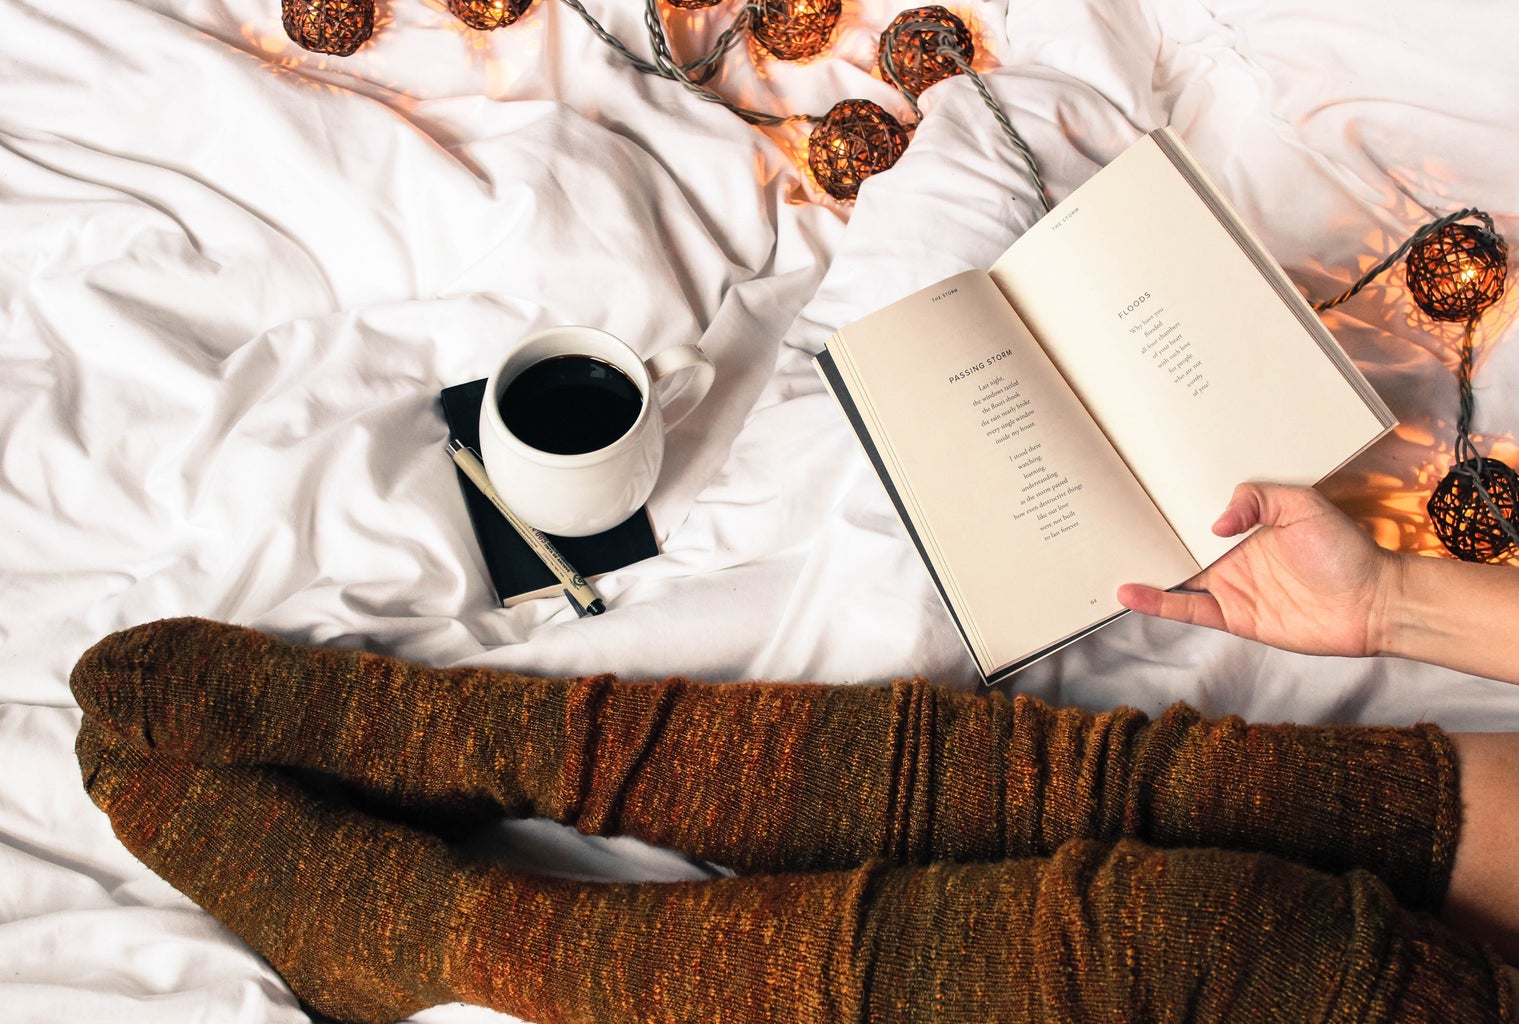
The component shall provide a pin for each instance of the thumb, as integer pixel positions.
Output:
(1256, 504)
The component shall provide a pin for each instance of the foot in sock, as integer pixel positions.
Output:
(433, 741)
(774, 777)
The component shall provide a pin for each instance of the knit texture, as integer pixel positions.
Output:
(784, 777)
(370, 921)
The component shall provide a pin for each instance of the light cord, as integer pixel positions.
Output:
(1414, 239)
(704, 67)
(694, 75)
(666, 66)
(948, 49)
(1465, 451)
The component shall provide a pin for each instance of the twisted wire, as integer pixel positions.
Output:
(706, 65)
(948, 50)
(667, 67)
(1469, 463)
(1414, 239)
(1468, 398)
(616, 44)
(698, 71)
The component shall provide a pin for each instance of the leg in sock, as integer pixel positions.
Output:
(371, 921)
(774, 777)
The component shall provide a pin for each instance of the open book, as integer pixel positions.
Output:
(1078, 416)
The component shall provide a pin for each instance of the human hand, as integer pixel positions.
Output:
(1309, 580)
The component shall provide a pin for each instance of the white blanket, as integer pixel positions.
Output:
(235, 276)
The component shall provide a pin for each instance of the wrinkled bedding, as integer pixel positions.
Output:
(234, 276)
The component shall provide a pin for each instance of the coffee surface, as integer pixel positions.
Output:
(570, 405)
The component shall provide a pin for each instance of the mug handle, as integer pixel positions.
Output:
(685, 398)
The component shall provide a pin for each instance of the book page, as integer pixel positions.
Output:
(1190, 357)
(1026, 515)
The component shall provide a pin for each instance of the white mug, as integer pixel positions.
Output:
(575, 495)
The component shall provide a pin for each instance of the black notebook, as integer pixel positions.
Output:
(515, 571)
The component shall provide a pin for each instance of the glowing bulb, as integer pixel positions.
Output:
(854, 140)
(1457, 271)
(795, 29)
(488, 14)
(924, 46)
(328, 26)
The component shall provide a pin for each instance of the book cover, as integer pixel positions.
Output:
(516, 573)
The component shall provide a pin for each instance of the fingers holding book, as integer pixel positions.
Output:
(1307, 579)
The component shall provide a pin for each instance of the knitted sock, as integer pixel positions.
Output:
(434, 745)
(773, 777)
(371, 922)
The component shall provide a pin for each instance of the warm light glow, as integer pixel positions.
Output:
(328, 26)
(1457, 272)
(488, 14)
(912, 48)
(855, 140)
(795, 29)
(1463, 518)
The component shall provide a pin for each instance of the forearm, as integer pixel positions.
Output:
(1483, 898)
(1456, 614)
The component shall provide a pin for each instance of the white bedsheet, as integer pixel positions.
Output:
(234, 276)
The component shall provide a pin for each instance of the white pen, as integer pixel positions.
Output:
(578, 592)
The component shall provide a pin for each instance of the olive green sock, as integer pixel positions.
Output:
(775, 777)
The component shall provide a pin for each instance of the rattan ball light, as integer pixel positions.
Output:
(856, 139)
(795, 29)
(693, 5)
(912, 48)
(488, 14)
(328, 26)
(1458, 271)
(1462, 518)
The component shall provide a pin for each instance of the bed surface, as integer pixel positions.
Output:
(235, 276)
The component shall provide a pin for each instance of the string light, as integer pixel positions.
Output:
(1473, 509)
(328, 26)
(856, 139)
(1457, 271)
(795, 29)
(922, 47)
(488, 14)
(926, 43)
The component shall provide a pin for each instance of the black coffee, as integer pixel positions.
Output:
(570, 405)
